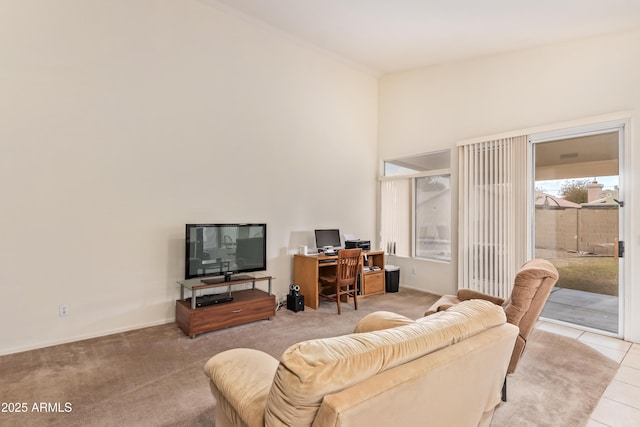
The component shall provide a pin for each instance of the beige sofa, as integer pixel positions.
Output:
(443, 370)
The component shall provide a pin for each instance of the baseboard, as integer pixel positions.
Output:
(413, 288)
(86, 337)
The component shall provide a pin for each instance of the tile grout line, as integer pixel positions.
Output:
(620, 403)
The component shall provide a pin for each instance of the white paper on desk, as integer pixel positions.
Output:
(349, 237)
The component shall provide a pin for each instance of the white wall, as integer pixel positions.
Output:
(434, 108)
(122, 120)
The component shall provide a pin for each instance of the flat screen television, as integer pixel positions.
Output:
(224, 249)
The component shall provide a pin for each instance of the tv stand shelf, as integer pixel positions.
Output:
(247, 305)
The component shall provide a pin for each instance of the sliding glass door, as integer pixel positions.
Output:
(577, 223)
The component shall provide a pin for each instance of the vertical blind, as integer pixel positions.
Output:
(389, 232)
(493, 214)
(395, 216)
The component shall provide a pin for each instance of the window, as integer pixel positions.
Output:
(415, 214)
(433, 217)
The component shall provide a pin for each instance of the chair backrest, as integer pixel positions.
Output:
(348, 265)
(532, 286)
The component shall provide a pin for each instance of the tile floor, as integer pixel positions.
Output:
(620, 403)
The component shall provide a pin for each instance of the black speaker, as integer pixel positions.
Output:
(295, 302)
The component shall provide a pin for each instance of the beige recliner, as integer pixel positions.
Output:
(531, 289)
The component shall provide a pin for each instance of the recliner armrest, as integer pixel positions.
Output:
(467, 294)
(243, 377)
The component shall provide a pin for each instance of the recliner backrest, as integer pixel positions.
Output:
(532, 285)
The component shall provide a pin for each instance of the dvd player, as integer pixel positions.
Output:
(211, 300)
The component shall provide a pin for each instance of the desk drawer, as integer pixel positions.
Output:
(373, 283)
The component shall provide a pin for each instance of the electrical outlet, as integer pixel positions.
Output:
(63, 310)
(413, 270)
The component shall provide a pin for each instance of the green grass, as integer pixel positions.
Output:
(591, 274)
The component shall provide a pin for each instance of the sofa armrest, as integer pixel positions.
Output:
(243, 378)
(467, 294)
(380, 320)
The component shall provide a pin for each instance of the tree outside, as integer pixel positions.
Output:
(575, 190)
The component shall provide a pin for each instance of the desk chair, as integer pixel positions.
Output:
(344, 281)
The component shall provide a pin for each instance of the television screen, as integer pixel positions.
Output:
(224, 249)
(327, 238)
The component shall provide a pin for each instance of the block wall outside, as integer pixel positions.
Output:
(598, 230)
(557, 229)
(589, 229)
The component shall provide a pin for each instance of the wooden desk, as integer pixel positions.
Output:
(306, 270)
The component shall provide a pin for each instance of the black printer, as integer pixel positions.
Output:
(365, 245)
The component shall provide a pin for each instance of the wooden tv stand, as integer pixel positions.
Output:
(306, 270)
(248, 305)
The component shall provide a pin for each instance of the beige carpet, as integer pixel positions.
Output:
(154, 377)
(558, 382)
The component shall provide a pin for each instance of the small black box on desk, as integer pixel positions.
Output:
(295, 302)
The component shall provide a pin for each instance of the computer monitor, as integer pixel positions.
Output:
(327, 238)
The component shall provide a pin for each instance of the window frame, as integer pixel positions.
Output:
(412, 177)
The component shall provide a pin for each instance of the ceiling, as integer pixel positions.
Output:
(591, 148)
(588, 156)
(382, 36)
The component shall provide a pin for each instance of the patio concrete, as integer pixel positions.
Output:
(595, 311)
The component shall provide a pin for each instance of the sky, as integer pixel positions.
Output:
(553, 186)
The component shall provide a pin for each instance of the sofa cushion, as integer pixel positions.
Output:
(312, 369)
(380, 320)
